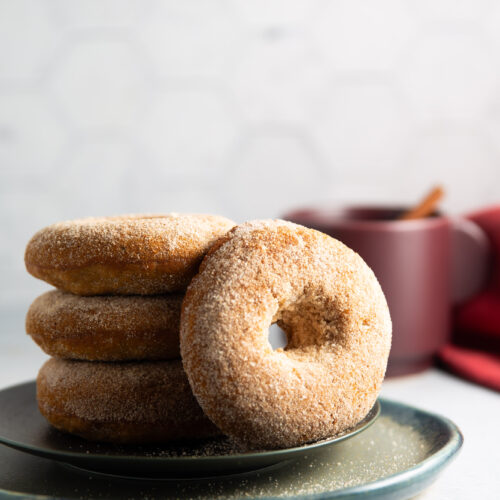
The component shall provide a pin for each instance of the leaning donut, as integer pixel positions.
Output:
(121, 402)
(132, 254)
(106, 328)
(336, 318)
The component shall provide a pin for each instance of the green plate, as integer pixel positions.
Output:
(23, 427)
(395, 458)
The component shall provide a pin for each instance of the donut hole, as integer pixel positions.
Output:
(277, 337)
(313, 320)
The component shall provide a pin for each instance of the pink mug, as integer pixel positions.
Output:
(424, 266)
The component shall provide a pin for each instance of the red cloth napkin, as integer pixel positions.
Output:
(475, 349)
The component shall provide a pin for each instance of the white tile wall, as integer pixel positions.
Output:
(191, 39)
(246, 108)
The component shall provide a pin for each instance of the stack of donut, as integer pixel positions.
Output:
(113, 328)
(112, 325)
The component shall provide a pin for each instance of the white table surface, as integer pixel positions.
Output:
(475, 474)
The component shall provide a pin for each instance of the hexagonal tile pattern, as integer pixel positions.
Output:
(361, 128)
(75, 14)
(271, 174)
(450, 76)
(191, 38)
(27, 38)
(101, 85)
(362, 35)
(189, 132)
(244, 108)
(463, 161)
(30, 135)
(277, 78)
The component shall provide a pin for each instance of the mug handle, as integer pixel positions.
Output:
(471, 259)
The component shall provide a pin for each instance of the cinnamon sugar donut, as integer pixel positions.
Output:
(106, 328)
(336, 318)
(121, 402)
(126, 255)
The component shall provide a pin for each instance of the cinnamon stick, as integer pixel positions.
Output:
(426, 207)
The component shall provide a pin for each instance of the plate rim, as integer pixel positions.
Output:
(426, 470)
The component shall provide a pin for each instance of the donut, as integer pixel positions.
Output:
(135, 402)
(335, 316)
(106, 328)
(125, 255)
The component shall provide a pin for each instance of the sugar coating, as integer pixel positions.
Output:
(94, 398)
(337, 322)
(106, 328)
(130, 254)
